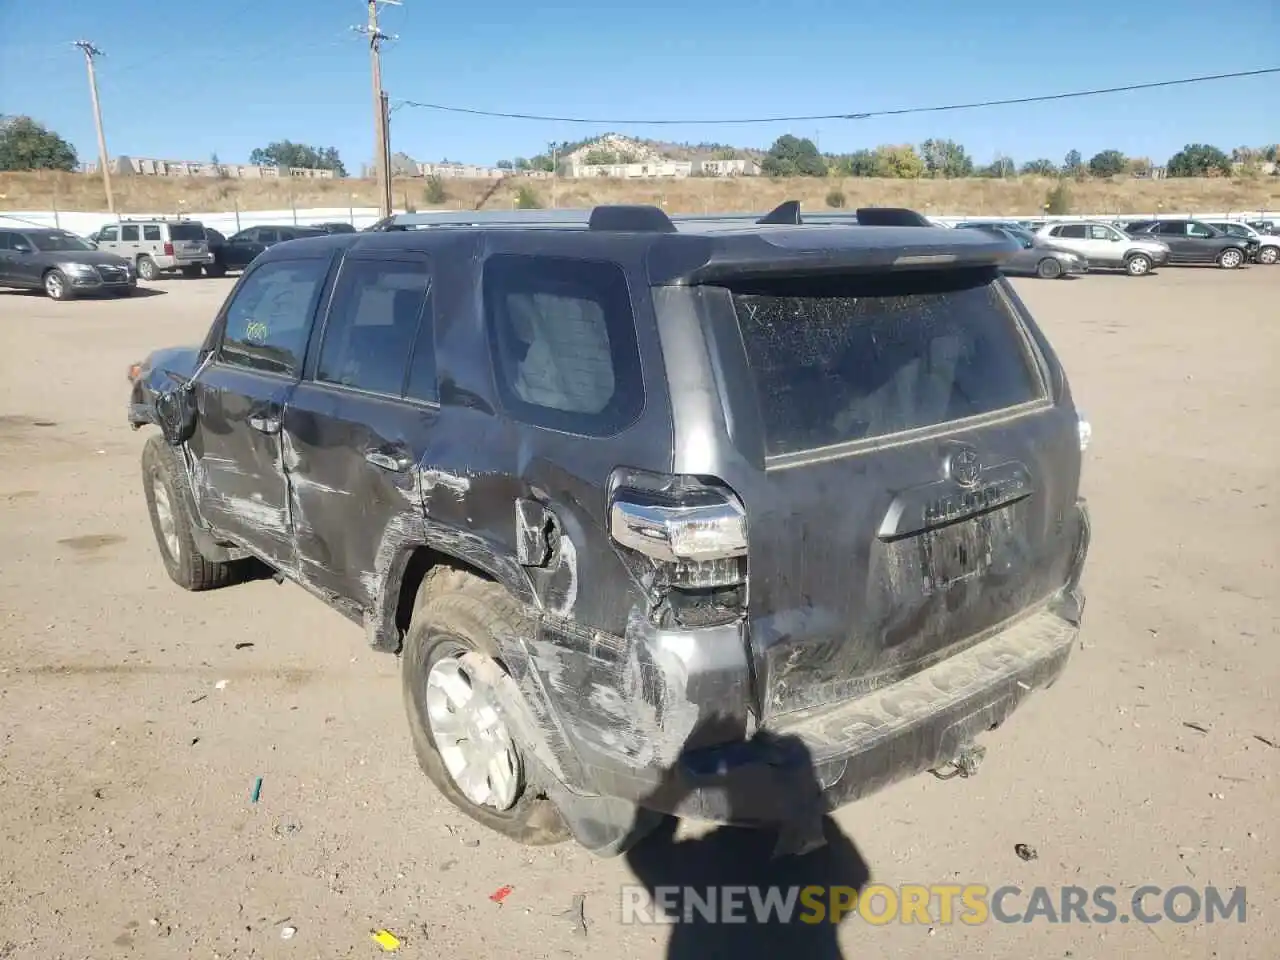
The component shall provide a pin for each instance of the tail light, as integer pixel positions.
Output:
(168, 249)
(686, 539)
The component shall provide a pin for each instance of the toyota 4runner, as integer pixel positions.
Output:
(635, 498)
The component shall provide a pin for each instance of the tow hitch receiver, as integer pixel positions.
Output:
(965, 764)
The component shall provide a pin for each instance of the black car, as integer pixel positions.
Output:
(61, 264)
(717, 519)
(1194, 242)
(239, 250)
(335, 226)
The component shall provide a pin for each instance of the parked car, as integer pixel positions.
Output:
(1268, 227)
(655, 514)
(1034, 258)
(336, 226)
(158, 246)
(1106, 246)
(239, 250)
(1193, 241)
(1268, 250)
(61, 264)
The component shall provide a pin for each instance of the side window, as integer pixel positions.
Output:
(268, 236)
(270, 317)
(129, 234)
(111, 233)
(373, 323)
(1073, 231)
(562, 335)
(6, 240)
(245, 236)
(151, 232)
(1170, 228)
(1198, 230)
(1102, 233)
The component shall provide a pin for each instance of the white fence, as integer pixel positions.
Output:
(229, 223)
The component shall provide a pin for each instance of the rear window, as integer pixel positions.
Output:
(844, 359)
(186, 231)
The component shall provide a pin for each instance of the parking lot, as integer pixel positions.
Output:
(135, 718)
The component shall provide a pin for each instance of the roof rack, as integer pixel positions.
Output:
(642, 218)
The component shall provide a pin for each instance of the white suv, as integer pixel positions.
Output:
(155, 246)
(1105, 246)
(1268, 245)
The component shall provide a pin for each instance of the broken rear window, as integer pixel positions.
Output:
(840, 359)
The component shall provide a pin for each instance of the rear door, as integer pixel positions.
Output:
(189, 241)
(359, 425)
(237, 453)
(240, 249)
(918, 485)
(130, 241)
(1182, 248)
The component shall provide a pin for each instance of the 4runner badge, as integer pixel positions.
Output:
(964, 467)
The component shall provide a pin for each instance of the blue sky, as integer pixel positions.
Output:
(186, 80)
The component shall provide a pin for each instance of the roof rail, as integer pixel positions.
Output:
(610, 217)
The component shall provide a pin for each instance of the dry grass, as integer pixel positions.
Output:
(1022, 195)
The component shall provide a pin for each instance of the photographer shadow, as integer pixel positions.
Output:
(804, 859)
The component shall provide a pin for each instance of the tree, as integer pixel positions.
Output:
(1000, 168)
(1039, 168)
(1073, 164)
(1058, 200)
(27, 145)
(793, 157)
(286, 153)
(1108, 163)
(900, 161)
(946, 158)
(1199, 160)
(433, 191)
(860, 163)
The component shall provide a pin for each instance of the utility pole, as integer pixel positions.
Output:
(381, 141)
(90, 52)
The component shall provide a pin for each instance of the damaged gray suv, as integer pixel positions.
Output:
(638, 498)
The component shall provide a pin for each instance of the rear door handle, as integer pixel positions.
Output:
(396, 462)
(264, 424)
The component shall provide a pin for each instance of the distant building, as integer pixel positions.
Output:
(461, 171)
(740, 167)
(123, 166)
(633, 171)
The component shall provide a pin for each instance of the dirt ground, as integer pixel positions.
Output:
(135, 718)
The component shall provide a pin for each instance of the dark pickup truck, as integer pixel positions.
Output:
(663, 516)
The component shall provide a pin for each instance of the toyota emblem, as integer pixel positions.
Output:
(963, 466)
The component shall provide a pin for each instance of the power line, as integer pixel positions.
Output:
(859, 115)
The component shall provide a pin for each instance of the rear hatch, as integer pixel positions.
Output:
(919, 482)
(189, 240)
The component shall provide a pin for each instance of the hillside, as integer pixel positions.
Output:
(1016, 195)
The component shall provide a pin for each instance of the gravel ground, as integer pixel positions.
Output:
(135, 718)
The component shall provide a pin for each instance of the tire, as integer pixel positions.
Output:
(57, 286)
(456, 613)
(191, 272)
(1049, 269)
(147, 269)
(1269, 255)
(1138, 265)
(164, 484)
(1231, 259)
(215, 270)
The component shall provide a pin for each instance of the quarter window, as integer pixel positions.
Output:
(1073, 231)
(562, 335)
(270, 316)
(373, 329)
(151, 232)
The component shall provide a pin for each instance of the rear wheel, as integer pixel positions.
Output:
(1269, 255)
(1138, 265)
(1230, 259)
(147, 269)
(57, 286)
(164, 483)
(460, 735)
(1049, 269)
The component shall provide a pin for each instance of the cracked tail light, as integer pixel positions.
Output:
(693, 532)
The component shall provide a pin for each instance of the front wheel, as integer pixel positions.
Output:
(148, 270)
(1139, 265)
(164, 484)
(1049, 269)
(1269, 255)
(57, 286)
(460, 734)
(1230, 259)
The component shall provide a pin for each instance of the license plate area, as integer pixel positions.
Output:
(959, 551)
